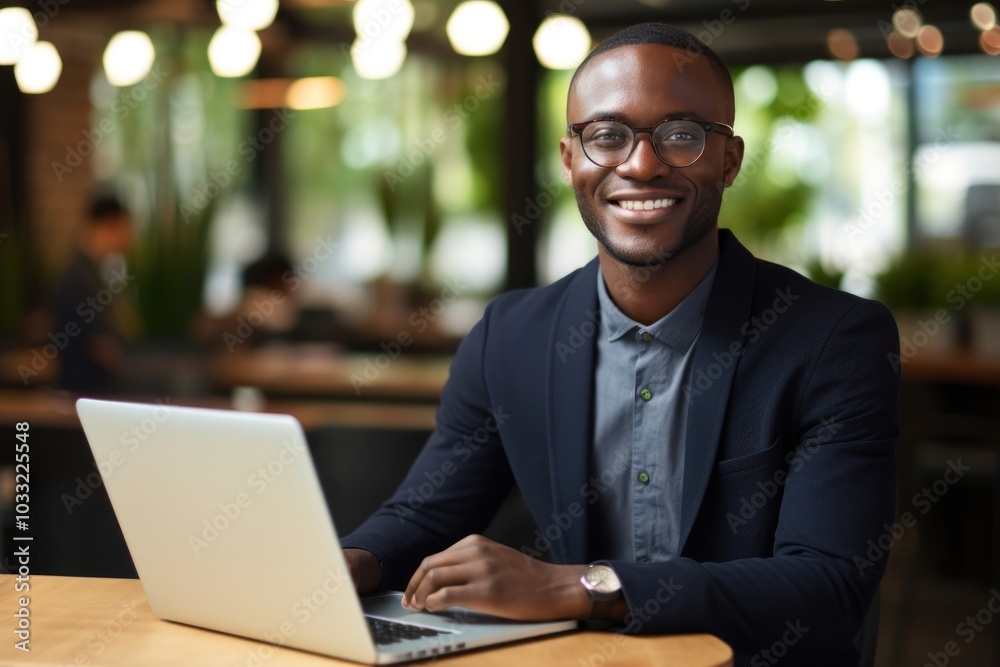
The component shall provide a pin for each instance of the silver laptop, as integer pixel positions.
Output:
(228, 528)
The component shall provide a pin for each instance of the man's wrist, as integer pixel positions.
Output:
(366, 570)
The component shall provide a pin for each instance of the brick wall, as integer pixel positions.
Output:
(55, 124)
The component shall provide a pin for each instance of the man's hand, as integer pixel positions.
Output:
(485, 576)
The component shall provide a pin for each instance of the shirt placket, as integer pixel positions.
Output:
(642, 470)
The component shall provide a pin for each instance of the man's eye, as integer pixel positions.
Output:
(680, 135)
(607, 133)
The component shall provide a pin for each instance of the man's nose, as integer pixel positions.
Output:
(643, 164)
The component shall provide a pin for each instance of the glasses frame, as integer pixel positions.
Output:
(709, 127)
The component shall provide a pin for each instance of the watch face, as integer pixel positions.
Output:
(603, 579)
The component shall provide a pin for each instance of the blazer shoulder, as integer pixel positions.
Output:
(813, 299)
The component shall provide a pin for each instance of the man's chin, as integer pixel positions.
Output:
(637, 258)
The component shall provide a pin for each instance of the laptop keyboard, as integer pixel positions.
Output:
(389, 632)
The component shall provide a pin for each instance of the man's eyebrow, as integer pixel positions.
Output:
(612, 115)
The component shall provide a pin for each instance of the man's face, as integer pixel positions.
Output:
(640, 86)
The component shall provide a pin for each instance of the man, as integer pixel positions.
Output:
(722, 439)
(86, 302)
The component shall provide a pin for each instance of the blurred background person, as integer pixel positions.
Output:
(91, 303)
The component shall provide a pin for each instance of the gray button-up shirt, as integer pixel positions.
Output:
(640, 422)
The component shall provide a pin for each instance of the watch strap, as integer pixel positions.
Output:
(600, 615)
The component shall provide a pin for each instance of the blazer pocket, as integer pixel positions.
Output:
(750, 461)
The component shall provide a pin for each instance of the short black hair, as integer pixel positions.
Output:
(106, 209)
(664, 34)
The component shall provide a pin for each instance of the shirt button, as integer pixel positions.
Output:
(645, 394)
(644, 477)
(646, 337)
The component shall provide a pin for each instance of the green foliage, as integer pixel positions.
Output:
(760, 206)
(818, 272)
(916, 281)
(175, 151)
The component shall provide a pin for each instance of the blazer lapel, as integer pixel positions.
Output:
(727, 311)
(569, 396)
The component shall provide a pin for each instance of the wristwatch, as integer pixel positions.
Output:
(603, 587)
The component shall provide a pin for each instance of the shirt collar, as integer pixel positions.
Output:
(678, 328)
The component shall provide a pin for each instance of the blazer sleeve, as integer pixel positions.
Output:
(812, 594)
(456, 484)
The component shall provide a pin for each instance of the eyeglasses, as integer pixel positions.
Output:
(678, 142)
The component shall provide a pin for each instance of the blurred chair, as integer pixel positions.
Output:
(973, 441)
(981, 224)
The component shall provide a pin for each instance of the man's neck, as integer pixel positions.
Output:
(647, 293)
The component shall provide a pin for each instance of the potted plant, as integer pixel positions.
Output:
(912, 288)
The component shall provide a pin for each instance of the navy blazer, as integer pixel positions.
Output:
(790, 464)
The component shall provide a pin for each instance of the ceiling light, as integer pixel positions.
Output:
(841, 44)
(38, 69)
(900, 46)
(17, 33)
(477, 28)
(389, 20)
(233, 52)
(930, 41)
(247, 14)
(983, 16)
(989, 41)
(128, 58)
(377, 60)
(315, 92)
(907, 22)
(561, 42)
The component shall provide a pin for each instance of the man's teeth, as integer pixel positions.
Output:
(645, 205)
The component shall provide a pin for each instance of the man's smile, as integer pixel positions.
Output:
(645, 204)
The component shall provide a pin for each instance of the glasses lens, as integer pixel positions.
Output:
(679, 143)
(607, 142)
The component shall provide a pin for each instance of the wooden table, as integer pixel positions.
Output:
(83, 621)
(310, 371)
(57, 409)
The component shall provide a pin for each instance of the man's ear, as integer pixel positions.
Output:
(566, 155)
(733, 160)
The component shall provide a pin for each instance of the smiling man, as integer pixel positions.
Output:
(714, 455)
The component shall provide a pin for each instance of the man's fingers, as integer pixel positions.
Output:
(437, 579)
